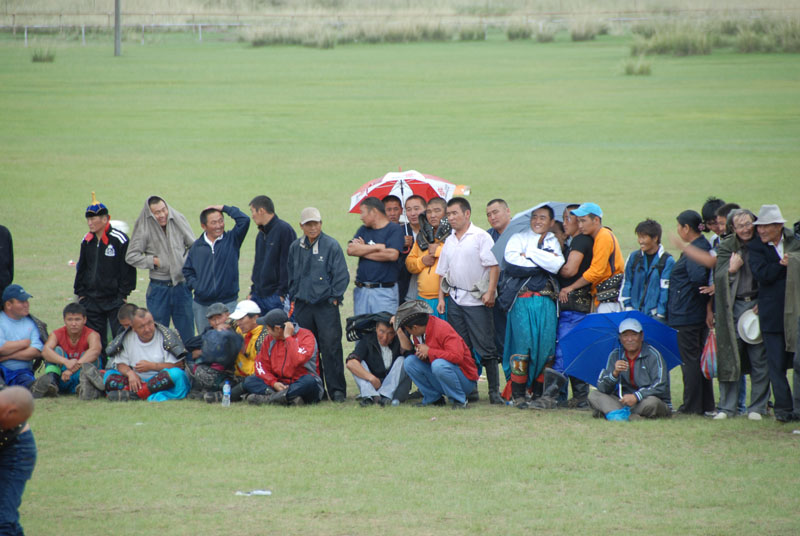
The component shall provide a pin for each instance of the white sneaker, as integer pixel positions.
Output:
(753, 416)
(720, 416)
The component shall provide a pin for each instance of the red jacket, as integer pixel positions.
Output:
(444, 343)
(288, 360)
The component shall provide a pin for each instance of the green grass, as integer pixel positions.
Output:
(219, 121)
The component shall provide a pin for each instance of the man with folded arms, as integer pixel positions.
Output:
(20, 339)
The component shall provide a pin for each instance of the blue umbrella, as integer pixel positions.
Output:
(587, 347)
(522, 222)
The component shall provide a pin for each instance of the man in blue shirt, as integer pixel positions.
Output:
(378, 244)
(270, 273)
(20, 342)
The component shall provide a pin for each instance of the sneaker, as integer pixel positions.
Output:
(338, 397)
(366, 401)
(213, 397)
(460, 405)
(93, 376)
(473, 396)
(257, 400)
(121, 396)
(44, 386)
(753, 416)
(415, 395)
(194, 394)
(720, 416)
(385, 401)
(495, 398)
(440, 402)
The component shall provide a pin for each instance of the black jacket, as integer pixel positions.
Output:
(685, 304)
(771, 276)
(6, 258)
(270, 274)
(368, 350)
(102, 273)
(318, 272)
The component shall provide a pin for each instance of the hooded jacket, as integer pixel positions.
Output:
(102, 273)
(170, 244)
(213, 275)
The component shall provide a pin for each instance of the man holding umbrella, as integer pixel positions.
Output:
(635, 376)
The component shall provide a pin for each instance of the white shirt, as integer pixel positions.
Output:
(778, 247)
(210, 243)
(134, 350)
(465, 262)
(386, 355)
(523, 250)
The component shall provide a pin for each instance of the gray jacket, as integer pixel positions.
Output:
(650, 375)
(317, 272)
(149, 240)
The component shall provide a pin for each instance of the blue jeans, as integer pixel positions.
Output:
(270, 302)
(16, 467)
(306, 387)
(438, 378)
(199, 311)
(165, 300)
(23, 377)
(375, 300)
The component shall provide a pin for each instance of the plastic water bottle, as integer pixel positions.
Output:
(395, 402)
(226, 394)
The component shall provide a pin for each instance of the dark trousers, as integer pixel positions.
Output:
(323, 320)
(500, 320)
(17, 461)
(165, 301)
(698, 392)
(305, 387)
(100, 313)
(778, 360)
(476, 326)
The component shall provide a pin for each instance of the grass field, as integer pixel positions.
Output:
(220, 122)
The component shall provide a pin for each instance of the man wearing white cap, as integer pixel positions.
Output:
(635, 376)
(735, 298)
(318, 278)
(771, 267)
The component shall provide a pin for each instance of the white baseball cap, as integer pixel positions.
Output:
(629, 324)
(246, 307)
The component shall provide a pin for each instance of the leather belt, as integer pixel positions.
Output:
(359, 284)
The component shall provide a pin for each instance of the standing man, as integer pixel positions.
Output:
(212, 265)
(318, 278)
(768, 262)
(20, 339)
(103, 279)
(647, 273)
(378, 244)
(17, 454)
(605, 272)
(499, 216)
(6, 258)
(407, 281)
(270, 274)
(470, 270)
(160, 240)
(393, 207)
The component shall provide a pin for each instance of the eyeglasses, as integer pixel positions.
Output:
(743, 226)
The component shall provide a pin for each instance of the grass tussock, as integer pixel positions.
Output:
(517, 32)
(583, 29)
(637, 67)
(679, 40)
(474, 32)
(43, 55)
(329, 37)
(546, 33)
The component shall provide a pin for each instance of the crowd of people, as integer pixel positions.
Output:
(437, 300)
(435, 305)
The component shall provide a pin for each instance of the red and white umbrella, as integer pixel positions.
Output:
(404, 184)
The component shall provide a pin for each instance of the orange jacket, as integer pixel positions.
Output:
(604, 243)
(427, 278)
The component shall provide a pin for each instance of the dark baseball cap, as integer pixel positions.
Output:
(276, 317)
(15, 292)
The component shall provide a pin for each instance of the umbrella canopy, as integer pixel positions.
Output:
(404, 184)
(587, 346)
(522, 222)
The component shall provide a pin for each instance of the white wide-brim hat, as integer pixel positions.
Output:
(748, 327)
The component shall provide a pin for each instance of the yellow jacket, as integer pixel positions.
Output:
(427, 278)
(245, 362)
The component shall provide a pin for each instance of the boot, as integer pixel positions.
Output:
(443, 231)
(518, 393)
(493, 378)
(45, 385)
(580, 395)
(425, 235)
(93, 376)
(553, 382)
(279, 398)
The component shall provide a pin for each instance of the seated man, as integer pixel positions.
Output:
(20, 339)
(638, 379)
(149, 360)
(286, 367)
(243, 342)
(219, 348)
(17, 454)
(442, 364)
(377, 366)
(71, 353)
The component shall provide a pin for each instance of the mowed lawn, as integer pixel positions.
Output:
(220, 122)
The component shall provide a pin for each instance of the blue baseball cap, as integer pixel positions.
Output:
(15, 292)
(588, 208)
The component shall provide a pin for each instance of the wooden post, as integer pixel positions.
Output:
(117, 28)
